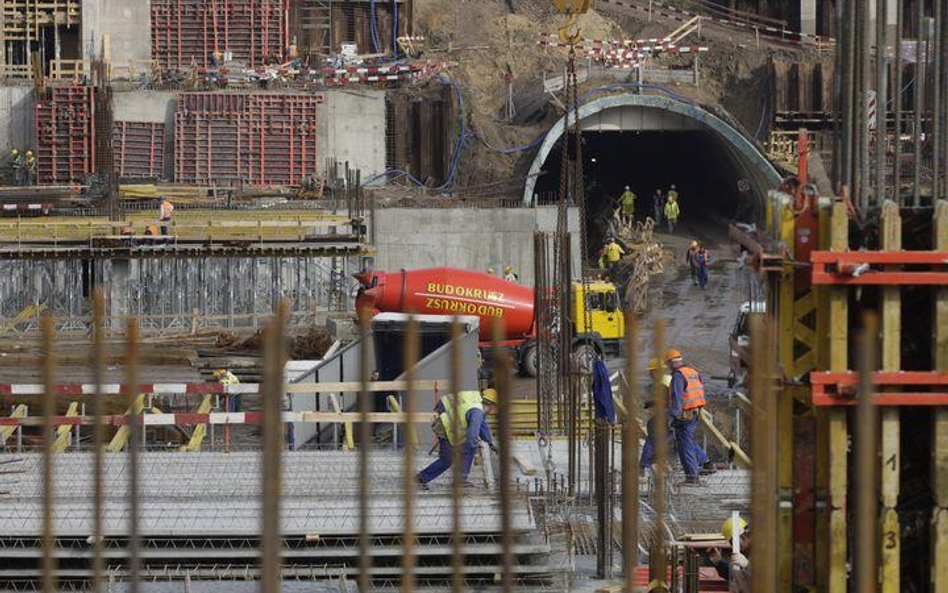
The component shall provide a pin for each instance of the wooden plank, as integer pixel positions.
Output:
(394, 406)
(372, 417)
(200, 431)
(64, 433)
(348, 442)
(891, 455)
(838, 441)
(7, 431)
(940, 419)
(121, 435)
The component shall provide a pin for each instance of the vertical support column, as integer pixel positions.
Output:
(940, 418)
(891, 361)
(822, 539)
(838, 430)
(808, 17)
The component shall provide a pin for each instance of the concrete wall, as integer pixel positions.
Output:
(16, 118)
(351, 127)
(467, 238)
(127, 24)
(152, 107)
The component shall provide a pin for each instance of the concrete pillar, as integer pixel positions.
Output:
(118, 287)
(808, 16)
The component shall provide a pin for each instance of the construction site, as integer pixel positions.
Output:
(474, 295)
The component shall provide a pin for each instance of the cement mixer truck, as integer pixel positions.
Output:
(451, 291)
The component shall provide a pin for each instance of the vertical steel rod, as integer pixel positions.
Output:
(763, 444)
(630, 449)
(365, 438)
(919, 94)
(882, 105)
(502, 384)
(49, 411)
(134, 426)
(272, 432)
(659, 560)
(897, 96)
(408, 474)
(98, 438)
(847, 62)
(866, 567)
(864, 34)
(457, 554)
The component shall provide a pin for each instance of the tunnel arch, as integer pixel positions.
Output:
(634, 112)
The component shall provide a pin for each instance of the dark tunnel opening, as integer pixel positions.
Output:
(707, 176)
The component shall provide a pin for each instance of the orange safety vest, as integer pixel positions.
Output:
(694, 389)
(166, 208)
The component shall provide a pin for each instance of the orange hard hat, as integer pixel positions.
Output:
(672, 354)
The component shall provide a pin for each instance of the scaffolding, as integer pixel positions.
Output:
(26, 23)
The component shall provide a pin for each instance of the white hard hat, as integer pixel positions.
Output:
(627, 187)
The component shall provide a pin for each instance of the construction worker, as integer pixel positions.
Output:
(613, 252)
(472, 407)
(490, 270)
(673, 192)
(702, 261)
(16, 161)
(690, 258)
(658, 205)
(686, 398)
(165, 209)
(225, 377)
(627, 206)
(671, 212)
(736, 570)
(648, 449)
(509, 275)
(151, 230)
(30, 167)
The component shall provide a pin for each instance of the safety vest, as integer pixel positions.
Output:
(229, 379)
(614, 252)
(694, 389)
(671, 210)
(467, 401)
(628, 201)
(165, 209)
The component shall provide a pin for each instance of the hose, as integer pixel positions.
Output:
(395, 28)
(372, 27)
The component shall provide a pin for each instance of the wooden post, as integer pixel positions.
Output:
(838, 429)
(940, 418)
(891, 361)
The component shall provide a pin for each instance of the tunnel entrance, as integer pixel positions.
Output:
(711, 182)
(653, 141)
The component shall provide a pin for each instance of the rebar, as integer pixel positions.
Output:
(866, 443)
(408, 474)
(921, 56)
(49, 410)
(659, 560)
(630, 473)
(457, 457)
(502, 379)
(365, 438)
(98, 438)
(882, 104)
(134, 430)
(897, 97)
(272, 404)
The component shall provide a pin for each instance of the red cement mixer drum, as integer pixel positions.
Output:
(449, 291)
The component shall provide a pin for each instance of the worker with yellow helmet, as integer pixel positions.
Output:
(660, 372)
(736, 570)
(225, 378)
(468, 415)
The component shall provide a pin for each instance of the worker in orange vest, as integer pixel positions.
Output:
(165, 209)
(685, 400)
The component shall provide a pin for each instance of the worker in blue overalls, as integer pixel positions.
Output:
(472, 410)
(701, 463)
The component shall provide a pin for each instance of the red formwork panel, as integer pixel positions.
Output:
(138, 149)
(188, 32)
(65, 135)
(257, 138)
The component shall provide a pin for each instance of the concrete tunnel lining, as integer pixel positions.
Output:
(630, 112)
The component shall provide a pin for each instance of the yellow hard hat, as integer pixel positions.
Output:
(654, 364)
(490, 270)
(672, 354)
(14, 152)
(219, 373)
(507, 269)
(490, 396)
(693, 244)
(727, 530)
(29, 153)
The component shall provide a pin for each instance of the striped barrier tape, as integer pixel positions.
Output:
(377, 78)
(775, 33)
(211, 387)
(394, 69)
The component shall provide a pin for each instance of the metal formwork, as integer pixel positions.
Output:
(186, 33)
(260, 139)
(65, 135)
(139, 149)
